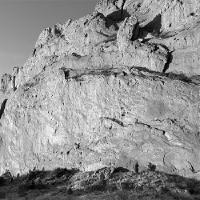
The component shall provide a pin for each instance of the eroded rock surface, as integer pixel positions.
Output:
(113, 88)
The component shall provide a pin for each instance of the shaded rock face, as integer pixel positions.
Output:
(113, 88)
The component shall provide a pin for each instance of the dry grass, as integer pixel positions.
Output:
(104, 184)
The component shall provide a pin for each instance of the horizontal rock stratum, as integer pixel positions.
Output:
(116, 88)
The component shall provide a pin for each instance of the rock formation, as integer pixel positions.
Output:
(118, 87)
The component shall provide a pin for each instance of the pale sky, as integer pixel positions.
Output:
(21, 22)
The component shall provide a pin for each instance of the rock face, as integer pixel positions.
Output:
(116, 88)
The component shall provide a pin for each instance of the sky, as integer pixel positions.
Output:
(21, 22)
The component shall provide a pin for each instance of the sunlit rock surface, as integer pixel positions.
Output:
(118, 87)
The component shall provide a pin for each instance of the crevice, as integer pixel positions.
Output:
(3, 105)
(136, 32)
(166, 35)
(192, 168)
(150, 127)
(124, 13)
(164, 156)
(136, 167)
(169, 61)
(66, 73)
(134, 71)
(109, 39)
(106, 35)
(79, 76)
(180, 77)
(14, 83)
(116, 121)
(170, 75)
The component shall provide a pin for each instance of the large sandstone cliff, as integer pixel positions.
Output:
(117, 87)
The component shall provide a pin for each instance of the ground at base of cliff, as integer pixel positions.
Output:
(104, 184)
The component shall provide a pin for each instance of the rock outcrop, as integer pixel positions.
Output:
(104, 184)
(118, 87)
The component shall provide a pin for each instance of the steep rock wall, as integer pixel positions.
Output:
(110, 89)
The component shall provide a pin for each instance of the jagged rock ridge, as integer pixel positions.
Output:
(117, 87)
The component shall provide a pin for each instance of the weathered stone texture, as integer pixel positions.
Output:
(114, 88)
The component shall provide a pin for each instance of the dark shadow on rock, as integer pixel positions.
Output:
(3, 105)
(151, 167)
(114, 18)
(169, 61)
(165, 35)
(181, 77)
(59, 172)
(118, 16)
(153, 27)
(120, 169)
(170, 75)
